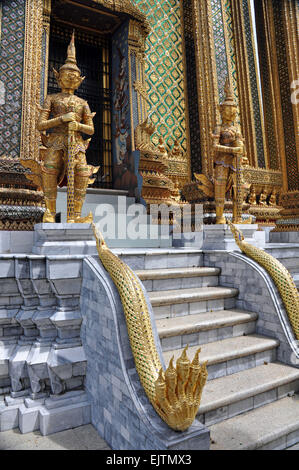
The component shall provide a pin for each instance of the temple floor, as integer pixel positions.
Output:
(81, 438)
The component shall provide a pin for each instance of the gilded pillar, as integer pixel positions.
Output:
(279, 54)
(291, 28)
(45, 48)
(271, 86)
(32, 78)
(206, 74)
(20, 203)
(225, 46)
(250, 114)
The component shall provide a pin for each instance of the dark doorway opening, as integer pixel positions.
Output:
(93, 59)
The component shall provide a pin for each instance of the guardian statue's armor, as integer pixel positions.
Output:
(66, 117)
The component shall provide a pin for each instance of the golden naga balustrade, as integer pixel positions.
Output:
(176, 393)
(279, 274)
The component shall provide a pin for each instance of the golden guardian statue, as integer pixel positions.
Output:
(229, 161)
(66, 117)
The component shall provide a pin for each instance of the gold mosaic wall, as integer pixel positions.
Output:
(165, 69)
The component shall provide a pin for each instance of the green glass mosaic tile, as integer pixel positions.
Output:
(165, 70)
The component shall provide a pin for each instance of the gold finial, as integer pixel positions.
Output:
(160, 382)
(171, 369)
(229, 96)
(183, 360)
(71, 62)
(195, 361)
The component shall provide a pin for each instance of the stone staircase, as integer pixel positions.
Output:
(249, 401)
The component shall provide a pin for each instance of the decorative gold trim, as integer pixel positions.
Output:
(136, 41)
(266, 151)
(244, 85)
(188, 142)
(229, 37)
(46, 31)
(270, 46)
(31, 79)
(291, 27)
(206, 75)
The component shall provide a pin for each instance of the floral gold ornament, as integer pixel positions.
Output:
(63, 157)
(176, 393)
(279, 274)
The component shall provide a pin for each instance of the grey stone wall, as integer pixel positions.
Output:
(42, 367)
(120, 410)
(257, 293)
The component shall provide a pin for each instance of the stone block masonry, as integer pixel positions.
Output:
(257, 293)
(43, 364)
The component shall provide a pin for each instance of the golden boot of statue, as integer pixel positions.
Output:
(67, 117)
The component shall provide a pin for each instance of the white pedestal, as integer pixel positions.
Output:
(220, 237)
(64, 239)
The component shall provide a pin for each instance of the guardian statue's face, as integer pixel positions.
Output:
(69, 79)
(228, 113)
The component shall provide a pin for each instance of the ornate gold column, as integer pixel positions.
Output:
(45, 46)
(291, 27)
(137, 37)
(279, 54)
(206, 79)
(271, 87)
(32, 78)
(244, 87)
(290, 199)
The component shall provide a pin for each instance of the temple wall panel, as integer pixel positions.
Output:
(165, 70)
(254, 87)
(191, 85)
(285, 81)
(123, 161)
(216, 24)
(11, 76)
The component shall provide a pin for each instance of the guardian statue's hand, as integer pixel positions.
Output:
(74, 126)
(69, 117)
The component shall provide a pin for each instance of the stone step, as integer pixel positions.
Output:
(178, 278)
(232, 395)
(284, 237)
(231, 355)
(159, 258)
(272, 427)
(295, 447)
(6, 351)
(181, 302)
(286, 253)
(204, 328)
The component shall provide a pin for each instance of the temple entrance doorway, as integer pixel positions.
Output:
(93, 58)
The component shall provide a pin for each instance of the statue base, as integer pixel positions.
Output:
(64, 239)
(220, 237)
